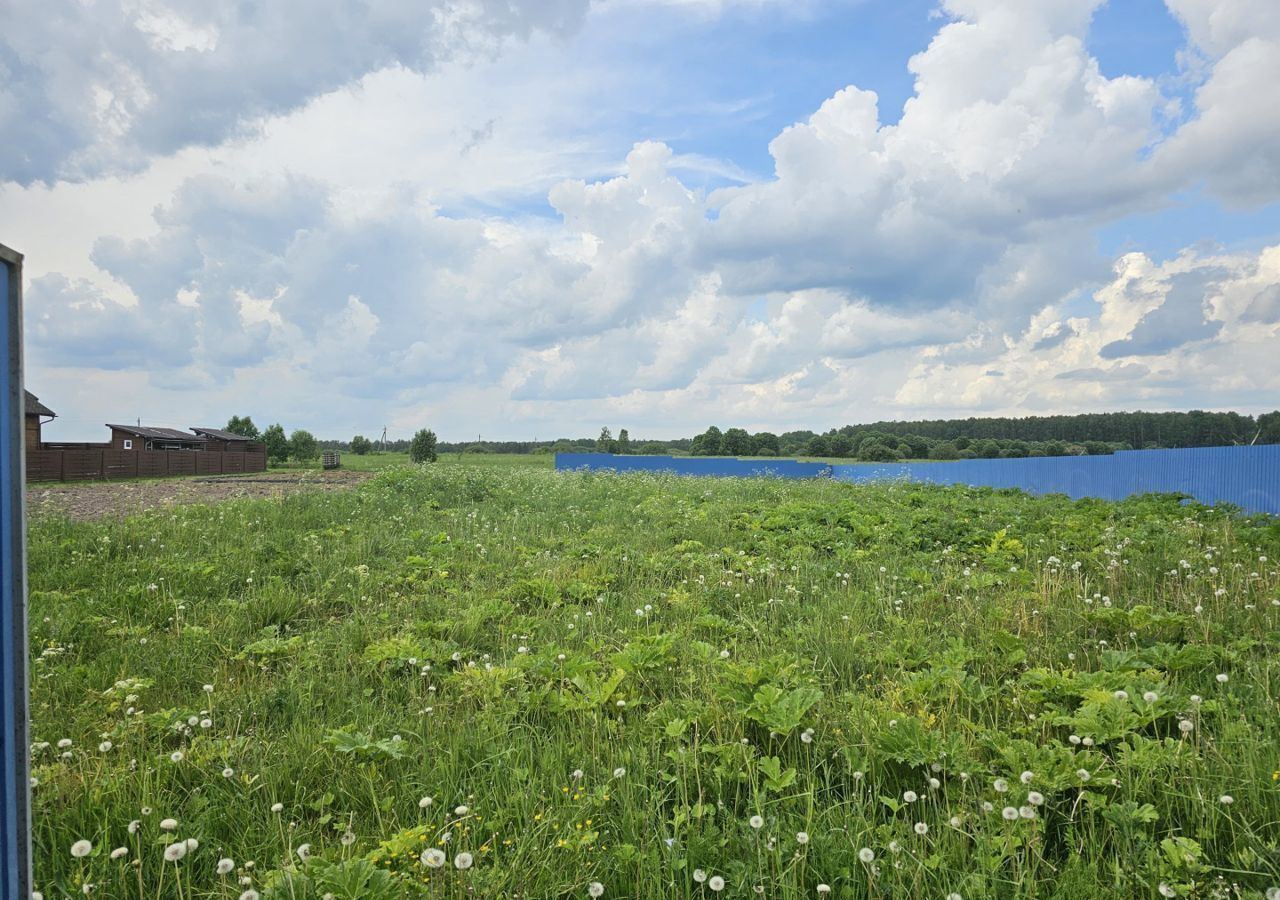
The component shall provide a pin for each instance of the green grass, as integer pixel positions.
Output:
(615, 674)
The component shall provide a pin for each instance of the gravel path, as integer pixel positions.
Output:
(95, 500)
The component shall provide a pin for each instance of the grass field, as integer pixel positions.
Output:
(649, 687)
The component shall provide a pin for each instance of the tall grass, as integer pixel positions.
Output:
(578, 678)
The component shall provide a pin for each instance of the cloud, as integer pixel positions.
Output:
(1265, 307)
(1181, 317)
(414, 234)
(97, 88)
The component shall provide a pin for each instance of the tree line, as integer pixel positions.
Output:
(970, 438)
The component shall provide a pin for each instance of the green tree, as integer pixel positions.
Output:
(736, 442)
(277, 444)
(605, 443)
(360, 445)
(874, 451)
(708, 443)
(423, 447)
(623, 442)
(302, 445)
(243, 426)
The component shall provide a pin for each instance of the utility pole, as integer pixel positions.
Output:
(384, 438)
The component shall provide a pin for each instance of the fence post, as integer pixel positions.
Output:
(15, 786)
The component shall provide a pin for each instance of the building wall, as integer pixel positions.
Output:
(33, 433)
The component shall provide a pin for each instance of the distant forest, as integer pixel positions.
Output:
(973, 438)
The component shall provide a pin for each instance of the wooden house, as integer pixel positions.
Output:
(35, 411)
(225, 441)
(141, 437)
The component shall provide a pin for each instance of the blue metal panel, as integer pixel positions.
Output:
(1247, 477)
(688, 465)
(15, 823)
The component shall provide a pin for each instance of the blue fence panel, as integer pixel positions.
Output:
(689, 465)
(15, 830)
(1247, 477)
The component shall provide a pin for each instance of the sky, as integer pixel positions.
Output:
(520, 219)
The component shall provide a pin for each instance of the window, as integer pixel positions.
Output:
(128, 444)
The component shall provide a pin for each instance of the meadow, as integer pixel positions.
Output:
(487, 680)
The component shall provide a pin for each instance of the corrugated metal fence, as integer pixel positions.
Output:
(1247, 477)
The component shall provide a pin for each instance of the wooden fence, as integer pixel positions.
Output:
(93, 464)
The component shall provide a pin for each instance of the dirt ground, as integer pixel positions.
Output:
(95, 500)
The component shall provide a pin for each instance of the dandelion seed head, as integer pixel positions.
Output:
(867, 855)
(756, 822)
(425, 803)
(910, 796)
(699, 876)
(595, 889)
(1226, 799)
(277, 807)
(433, 858)
(303, 852)
(168, 824)
(1151, 696)
(716, 883)
(1010, 813)
(175, 851)
(802, 837)
(921, 828)
(462, 861)
(226, 866)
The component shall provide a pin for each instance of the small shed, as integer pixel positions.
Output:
(35, 410)
(142, 437)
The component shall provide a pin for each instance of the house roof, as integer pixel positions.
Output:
(158, 434)
(220, 435)
(35, 407)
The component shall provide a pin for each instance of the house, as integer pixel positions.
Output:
(141, 437)
(34, 411)
(226, 441)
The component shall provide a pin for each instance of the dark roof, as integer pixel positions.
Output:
(158, 434)
(220, 435)
(35, 407)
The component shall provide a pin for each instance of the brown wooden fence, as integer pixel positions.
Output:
(91, 464)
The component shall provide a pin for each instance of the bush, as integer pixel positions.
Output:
(360, 445)
(423, 447)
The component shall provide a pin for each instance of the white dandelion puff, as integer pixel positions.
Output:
(756, 822)
(716, 883)
(81, 849)
(802, 837)
(462, 861)
(168, 824)
(425, 803)
(304, 852)
(433, 858)
(867, 855)
(175, 851)
(595, 889)
(226, 866)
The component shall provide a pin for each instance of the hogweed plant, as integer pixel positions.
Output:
(469, 682)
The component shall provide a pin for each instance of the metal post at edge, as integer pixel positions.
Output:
(15, 778)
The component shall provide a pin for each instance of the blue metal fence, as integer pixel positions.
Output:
(15, 830)
(1247, 477)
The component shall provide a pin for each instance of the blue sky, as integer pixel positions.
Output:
(653, 214)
